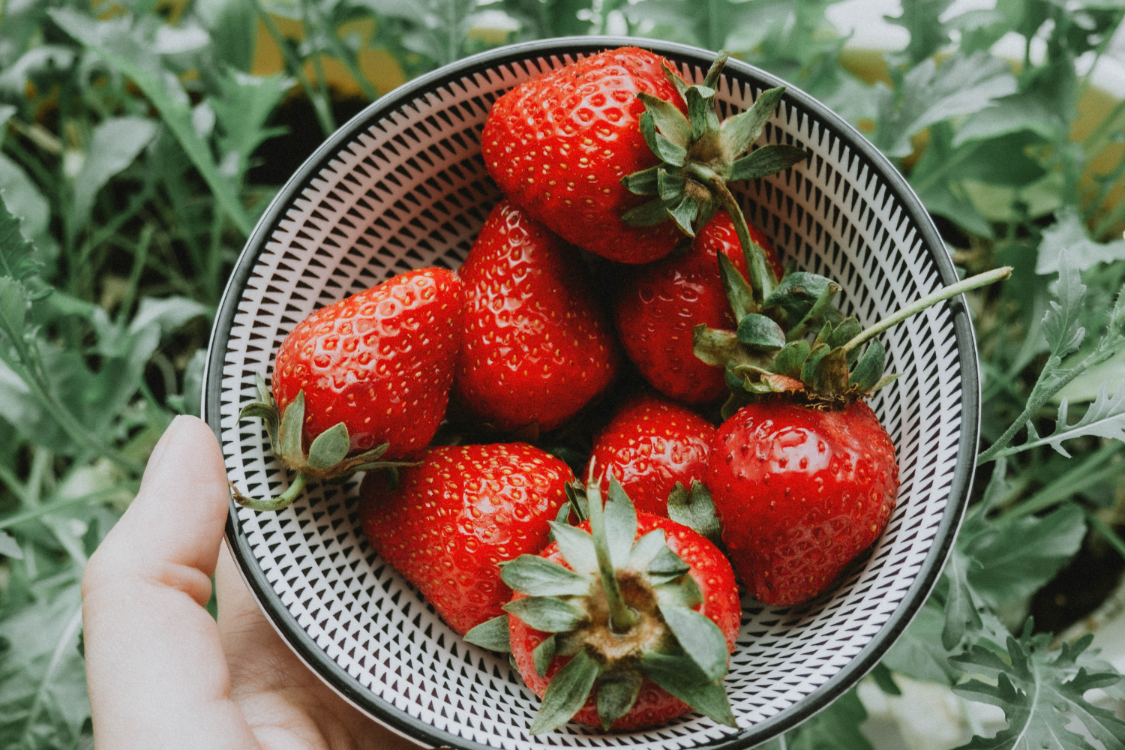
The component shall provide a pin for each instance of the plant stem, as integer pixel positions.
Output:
(621, 617)
(760, 274)
(1085, 474)
(56, 505)
(965, 285)
(295, 66)
(1106, 531)
(277, 503)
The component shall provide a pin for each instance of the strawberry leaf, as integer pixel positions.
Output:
(566, 694)
(699, 637)
(576, 547)
(667, 566)
(620, 524)
(290, 433)
(682, 677)
(767, 160)
(616, 696)
(1041, 692)
(695, 509)
(329, 448)
(739, 132)
(537, 576)
(546, 613)
(759, 332)
(645, 182)
(667, 119)
(684, 592)
(543, 654)
(646, 549)
(493, 635)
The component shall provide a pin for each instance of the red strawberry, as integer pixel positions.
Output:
(651, 445)
(659, 305)
(364, 380)
(575, 147)
(536, 346)
(802, 476)
(800, 492)
(558, 145)
(624, 622)
(452, 519)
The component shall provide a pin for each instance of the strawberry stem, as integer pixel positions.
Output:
(965, 285)
(277, 503)
(761, 277)
(621, 617)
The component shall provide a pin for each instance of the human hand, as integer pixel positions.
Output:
(162, 673)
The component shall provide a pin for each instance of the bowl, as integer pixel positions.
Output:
(403, 185)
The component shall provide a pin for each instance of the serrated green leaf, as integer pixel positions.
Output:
(1104, 418)
(114, 145)
(494, 635)
(766, 161)
(566, 694)
(1041, 692)
(538, 576)
(546, 613)
(1067, 238)
(667, 119)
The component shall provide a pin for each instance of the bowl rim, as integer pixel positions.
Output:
(335, 676)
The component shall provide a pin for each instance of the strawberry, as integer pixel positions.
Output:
(659, 305)
(362, 381)
(454, 517)
(800, 492)
(536, 346)
(801, 474)
(575, 148)
(624, 622)
(651, 445)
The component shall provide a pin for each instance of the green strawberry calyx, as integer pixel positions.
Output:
(623, 609)
(327, 457)
(699, 155)
(770, 351)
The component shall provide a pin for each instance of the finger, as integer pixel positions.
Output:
(154, 660)
(274, 689)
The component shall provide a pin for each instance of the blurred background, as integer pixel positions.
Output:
(140, 140)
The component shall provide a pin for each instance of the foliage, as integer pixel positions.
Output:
(131, 151)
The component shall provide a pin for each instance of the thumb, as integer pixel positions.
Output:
(154, 661)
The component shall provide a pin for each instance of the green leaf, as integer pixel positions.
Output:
(1012, 114)
(1041, 692)
(700, 639)
(9, 547)
(114, 145)
(695, 509)
(566, 694)
(24, 200)
(620, 524)
(1067, 237)
(928, 35)
(834, 728)
(1062, 321)
(537, 576)
(681, 592)
(765, 161)
(576, 547)
(685, 212)
(759, 332)
(1017, 557)
(791, 359)
(231, 24)
(617, 693)
(929, 94)
(681, 677)
(43, 700)
(1104, 418)
(646, 549)
(242, 109)
(919, 653)
(546, 613)
(701, 111)
(666, 566)
(739, 132)
(543, 654)
(644, 182)
(291, 432)
(647, 214)
(494, 635)
(870, 367)
(113, 42)
(667, 119)
(798, 292)
(329, 448)
(737, 289)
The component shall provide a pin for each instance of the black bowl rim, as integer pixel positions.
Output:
(332, 673)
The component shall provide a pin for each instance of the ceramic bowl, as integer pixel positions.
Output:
(402, 186)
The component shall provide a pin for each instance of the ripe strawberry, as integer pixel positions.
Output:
(651, 445)
(362, 381)
(800, 492)
(576, 146)
(536, 346)
(802, 475)
(624, 622)
(453, 518)
(659, 305)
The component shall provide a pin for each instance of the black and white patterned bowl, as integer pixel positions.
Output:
(403, 185)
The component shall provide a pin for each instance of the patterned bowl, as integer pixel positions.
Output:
(403, 185)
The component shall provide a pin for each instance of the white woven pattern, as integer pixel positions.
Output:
(410, 191)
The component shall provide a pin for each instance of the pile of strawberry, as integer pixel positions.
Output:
(627, 619)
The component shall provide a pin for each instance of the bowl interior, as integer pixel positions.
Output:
(404, 186)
